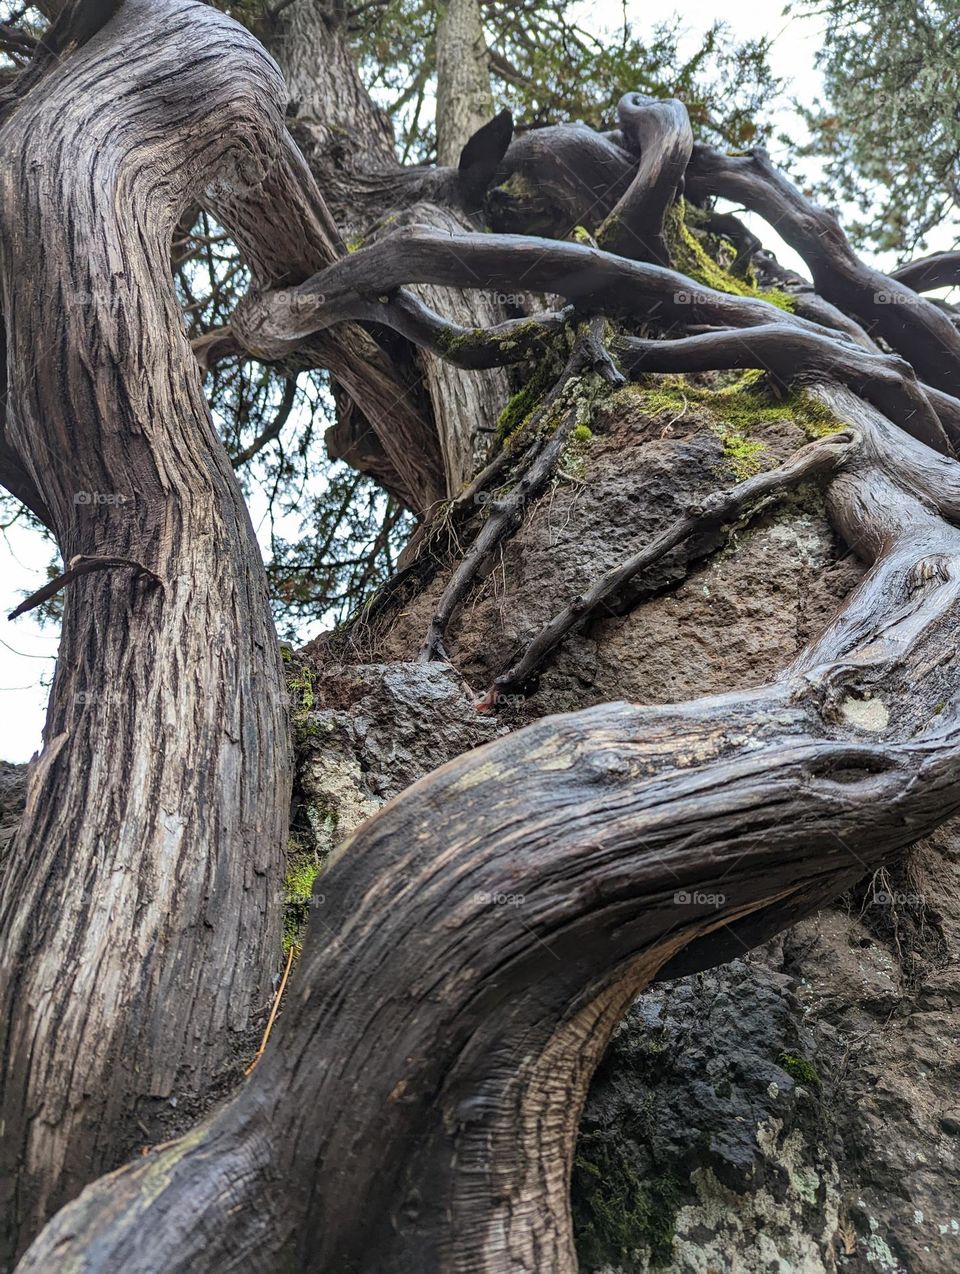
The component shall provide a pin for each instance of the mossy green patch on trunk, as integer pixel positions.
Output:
(303, 867)
(526, 400)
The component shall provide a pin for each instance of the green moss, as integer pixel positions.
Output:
(300, 684)
(800, 1070)
(688, 255)
(816, 419)
(522, 334)
(303, 867)
(299, 679)
(742, 455)
(739, 409)
(453, 344)
(582, 433)
(616, 1213)
(519, 187)
(526, 400)
(580, 234)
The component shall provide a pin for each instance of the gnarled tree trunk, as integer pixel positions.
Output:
(139, 927)
(474, 944)
(348, 143)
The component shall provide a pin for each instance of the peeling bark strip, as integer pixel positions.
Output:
(377, 1133)
(139, 917)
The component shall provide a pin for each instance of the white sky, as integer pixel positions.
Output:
(27, 652)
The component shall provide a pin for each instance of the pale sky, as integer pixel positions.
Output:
(27, 652)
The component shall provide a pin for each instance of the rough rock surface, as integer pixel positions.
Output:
(801, 1102)
(370, 731)
(742, 611)
(706, 1090)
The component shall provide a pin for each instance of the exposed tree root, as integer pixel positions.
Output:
(911, 325)
(560, 413)
(787, 353)
(594, 281)
(939, 270)
(659, 132)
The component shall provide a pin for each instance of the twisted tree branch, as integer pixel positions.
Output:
(914, 327)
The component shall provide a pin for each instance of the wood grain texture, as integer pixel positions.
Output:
(139, 918)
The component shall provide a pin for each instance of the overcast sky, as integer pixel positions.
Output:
(27, 652)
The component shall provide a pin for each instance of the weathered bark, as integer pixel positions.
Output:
(139, 920)
(557, 178)
(13, 473)
(345, 138)
(939, 270)
(464, 99)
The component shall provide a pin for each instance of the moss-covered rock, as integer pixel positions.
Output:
(799, 1069)
(698, 1148)
(618, 1213)
(741, 411)
(303, 867)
